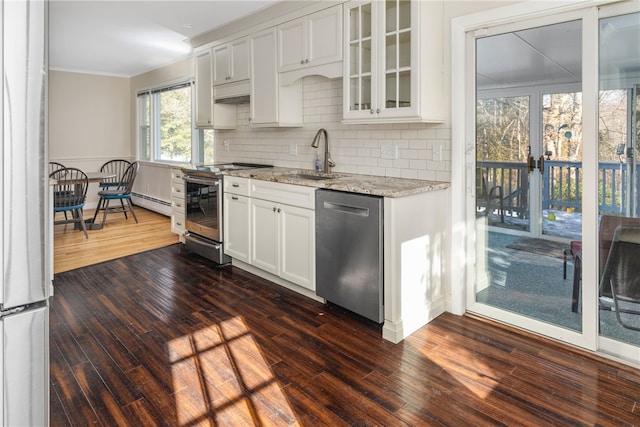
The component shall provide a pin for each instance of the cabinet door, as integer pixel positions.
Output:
(203, 91)
(360, 51)
(237, 226)
(297, 245)
(393, 62)
(396, 62)
(239, 60)
(324, 37)
(221, 64)
(292, 52)
(264, 235)
(263, 78)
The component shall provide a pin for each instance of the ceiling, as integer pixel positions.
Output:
(127, 38)
(553, 55)
(130, 37)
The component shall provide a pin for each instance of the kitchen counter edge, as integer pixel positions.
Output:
(352, 183)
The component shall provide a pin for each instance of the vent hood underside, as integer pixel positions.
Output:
(239, 99)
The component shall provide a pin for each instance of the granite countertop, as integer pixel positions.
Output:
(353, 183)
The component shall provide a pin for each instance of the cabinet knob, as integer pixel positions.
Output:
(274, 208)
(378, 111)
(234, 198)
(235, 185)
(278, 210)
(371, 111)
(306, 61)
(301, 61)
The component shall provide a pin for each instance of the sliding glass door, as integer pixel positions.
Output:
(528, 163)
(555, 173)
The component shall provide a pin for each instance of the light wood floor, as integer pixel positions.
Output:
(119, 237)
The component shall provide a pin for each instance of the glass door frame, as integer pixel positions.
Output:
(464, 32)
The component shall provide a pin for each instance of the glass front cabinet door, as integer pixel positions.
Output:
(393, 64)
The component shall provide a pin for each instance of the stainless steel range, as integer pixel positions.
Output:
(203, 208)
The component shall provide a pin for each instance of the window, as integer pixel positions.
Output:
(165, 127)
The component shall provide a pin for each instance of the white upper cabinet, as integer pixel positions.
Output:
(272, 104)
(310, 41)
(231, 62)
(208, 114)
(393, 62)
(203, 91)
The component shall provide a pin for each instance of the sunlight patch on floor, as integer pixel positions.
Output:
(229, 382)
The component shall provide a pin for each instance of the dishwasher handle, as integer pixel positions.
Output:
(352, 210)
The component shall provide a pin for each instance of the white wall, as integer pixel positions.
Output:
(89, 121)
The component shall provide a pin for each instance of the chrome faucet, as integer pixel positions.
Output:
(328, 163)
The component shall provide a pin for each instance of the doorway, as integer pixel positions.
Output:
(491, 262)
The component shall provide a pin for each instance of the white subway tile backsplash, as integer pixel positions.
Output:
(354, 148)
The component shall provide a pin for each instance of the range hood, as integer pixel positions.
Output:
(239, 99)
(232, 93)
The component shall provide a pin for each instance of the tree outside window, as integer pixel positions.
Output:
(165, 127)
(175, 125)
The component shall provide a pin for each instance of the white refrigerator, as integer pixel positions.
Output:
(24, 215)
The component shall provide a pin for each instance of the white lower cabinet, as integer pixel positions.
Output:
(236, 229)
(297, 232)
(283, 241)
(265, 241)
(272, 229)
(177, 203)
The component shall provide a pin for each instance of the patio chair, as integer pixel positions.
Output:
(608, 225)
(487, 198)
(620, 282)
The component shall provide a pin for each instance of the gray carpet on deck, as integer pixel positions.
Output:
(532, 285)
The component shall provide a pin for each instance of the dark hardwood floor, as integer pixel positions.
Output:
(165, 338)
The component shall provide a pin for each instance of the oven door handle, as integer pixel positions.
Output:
(203, 181)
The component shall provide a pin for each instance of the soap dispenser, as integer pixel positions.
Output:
(317, 164)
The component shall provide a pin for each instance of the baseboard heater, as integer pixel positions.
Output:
(152, 203)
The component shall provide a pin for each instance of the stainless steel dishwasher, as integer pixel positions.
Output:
(349, 250)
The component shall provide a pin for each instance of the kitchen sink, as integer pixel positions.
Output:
(312, 176)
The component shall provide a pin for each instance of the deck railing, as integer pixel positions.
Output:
(514, 180)
(562, 185)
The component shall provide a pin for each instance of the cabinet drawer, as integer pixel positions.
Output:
(176, 175)
(236, 185)
(177, 223)
(293, 195)
(177, 205)
(177, 190)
